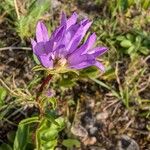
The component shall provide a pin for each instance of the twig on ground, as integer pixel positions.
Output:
(16, 8)
(127, 125)
(139, 131)
(111, 104)
(115, 109)
(13, 48)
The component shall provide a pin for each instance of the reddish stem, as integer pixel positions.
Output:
(44, 83)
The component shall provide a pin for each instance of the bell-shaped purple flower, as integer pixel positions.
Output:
(64, 47)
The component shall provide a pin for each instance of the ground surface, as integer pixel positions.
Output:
(102, 122)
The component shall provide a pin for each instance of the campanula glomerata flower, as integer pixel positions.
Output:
(63, 48)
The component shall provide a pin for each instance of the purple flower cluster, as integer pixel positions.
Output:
(64, 48)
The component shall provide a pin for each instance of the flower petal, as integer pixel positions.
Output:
(33, 43)
(81, 31)
(60, 51)
(43, 48)
(99, 65)
(76, 59)
(39, 49)
(68, 22)
(98, 51)
(69, 34)
(41, 32)
(63, 19)
(90, 43)
(83, 49)
(82, 65)
(88, 63)
(72, 20)
(46, 61)
(57, 38)
(74, 44)
(64, 43)
(58, 33)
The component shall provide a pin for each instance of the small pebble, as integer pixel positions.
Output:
(79, 130)
(90, 141)
(127, 143)
(93, 130)
(102, 116)
(88, 119)
(91, 103)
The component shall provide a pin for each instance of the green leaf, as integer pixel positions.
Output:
(50, 118)
(146, 4)
(131, 49)
(30, 146)
(125, 96)
(123, 5)
(61, 124)
(21, 138)
(144, 50)
(60, 121)
(120, 38)
(50, 145)
(67, 83)
(130, 37)
(89, 72)
(36, 59)
(49, 134)
(42, 126)
(138, 39)
(3, 94)
(11, 136)
(130, 2)
(109, 74)
(53, 101)
(70, 143)
(5, 147)
(126, 43)
(107, 87)
(29, 120)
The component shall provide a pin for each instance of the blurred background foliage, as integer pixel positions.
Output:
(23, 15)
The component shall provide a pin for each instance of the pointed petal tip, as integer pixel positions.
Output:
(93, 35)
(105, 49)
(63, 15)
(75, 14)
(40, 23)
(98, 51)
(100, 66)
(41, 32)
(46, 61)
(33, 43)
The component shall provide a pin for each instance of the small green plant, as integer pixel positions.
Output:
(122, 40)
(114, 7)
(26, 23)
(61, 60)
(3, 94)
(25, 14)
(133, 44)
